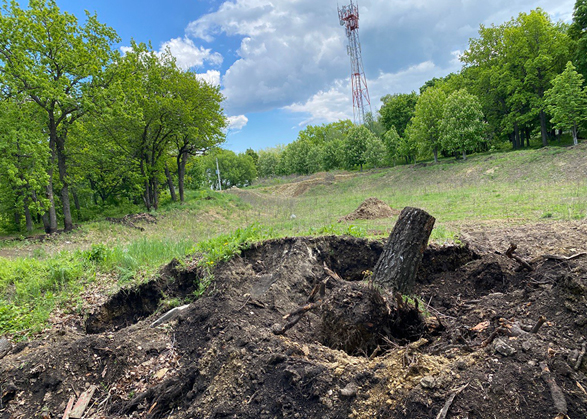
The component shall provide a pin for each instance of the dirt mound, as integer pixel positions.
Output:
(219, 358)
(371, 209)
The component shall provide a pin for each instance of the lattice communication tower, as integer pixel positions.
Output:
(349, 18)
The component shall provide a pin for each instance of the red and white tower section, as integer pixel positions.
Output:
(349, 18)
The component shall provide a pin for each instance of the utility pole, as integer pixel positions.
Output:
(218, 173)
(349, 18)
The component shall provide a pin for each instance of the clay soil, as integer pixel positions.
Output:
(219, 358)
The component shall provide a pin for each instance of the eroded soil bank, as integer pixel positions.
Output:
(219, 358)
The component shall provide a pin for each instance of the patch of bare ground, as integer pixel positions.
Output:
(478, 357)
(302, 185)
(371, 209)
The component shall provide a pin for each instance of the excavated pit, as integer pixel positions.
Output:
(353, 318)
(219, 358)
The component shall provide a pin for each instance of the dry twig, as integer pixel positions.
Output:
(538, 324)
(454, 393)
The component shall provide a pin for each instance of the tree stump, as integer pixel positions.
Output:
(402, 256)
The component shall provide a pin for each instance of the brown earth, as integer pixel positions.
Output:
(220, 359)
(371, 209)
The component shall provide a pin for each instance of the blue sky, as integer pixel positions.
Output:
(282, 64)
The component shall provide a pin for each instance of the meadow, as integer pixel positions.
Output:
(521, 187)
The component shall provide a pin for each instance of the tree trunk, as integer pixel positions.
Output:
(155, 193)
(464, 154)
(516, 136)
(401, 258)
(50, 217)
(170, 184)
(67, 220)
(181, 163)
(78, 207)
(543, 130)
(575, 136)
(528, 133)
(27, 215)
(435, 154)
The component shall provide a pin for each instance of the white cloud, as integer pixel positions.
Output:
(188, 55)
(211, 77)
(237, 122)
(292, 53)
(336, 103)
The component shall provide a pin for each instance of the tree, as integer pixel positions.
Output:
(24, 154)
(375, 152)
(391, 141)
(333, 154)
(48, 58)
(397, 111)
(235, 169)
(578, 32)
(511, 66)
(567, 101)
(427, 119)
(355, 146)
(462, 125)
(200, 120)
(268, 163)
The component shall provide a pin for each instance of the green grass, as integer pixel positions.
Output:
(543, 185)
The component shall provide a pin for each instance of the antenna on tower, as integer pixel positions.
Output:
(349, 18)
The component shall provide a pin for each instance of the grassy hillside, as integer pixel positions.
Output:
(521, 187)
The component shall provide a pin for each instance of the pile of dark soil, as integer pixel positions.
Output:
(371, 209)
(219, 358)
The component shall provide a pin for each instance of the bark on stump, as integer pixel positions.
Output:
(402, 256)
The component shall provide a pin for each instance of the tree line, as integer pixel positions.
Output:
(80, 121)
(521, 80)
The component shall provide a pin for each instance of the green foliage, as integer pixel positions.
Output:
(235, 169)
(60, 66)
(567, 101)
(428, 116)
(24, 155)
(397, 111)
(462, 126)
(269, 161)
(355, 146)
(392, 140)
(375, 152)
(578, 32)
(511, 66)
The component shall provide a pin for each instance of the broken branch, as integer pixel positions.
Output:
(299, 312)
(556, 393)
(510, 253)
(492, 336)
(538, 324)
(455, 392)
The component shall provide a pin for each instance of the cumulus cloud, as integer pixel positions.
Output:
(188, 55)
(292, 54)
(336, 103)
(237, 123)
(211, 77)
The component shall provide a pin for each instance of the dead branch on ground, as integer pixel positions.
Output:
(556, 393)
(510, 254)
(454, 393)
